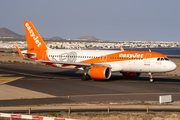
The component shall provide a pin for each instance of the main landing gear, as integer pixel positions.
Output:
(151, 77)
(85, 76)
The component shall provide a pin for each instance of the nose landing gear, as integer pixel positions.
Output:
(151, 77)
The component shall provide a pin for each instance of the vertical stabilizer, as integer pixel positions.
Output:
(34, 40)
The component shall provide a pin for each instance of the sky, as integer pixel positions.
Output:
(113, 20)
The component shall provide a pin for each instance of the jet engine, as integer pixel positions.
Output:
(131, 74)
(100, 72)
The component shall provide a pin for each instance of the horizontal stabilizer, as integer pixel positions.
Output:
(21, 55)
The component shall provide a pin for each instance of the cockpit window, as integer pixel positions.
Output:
(161, 59)
(166, 59)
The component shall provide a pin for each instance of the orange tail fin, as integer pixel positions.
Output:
(34, 40)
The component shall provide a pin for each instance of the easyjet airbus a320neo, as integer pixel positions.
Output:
(97, 64)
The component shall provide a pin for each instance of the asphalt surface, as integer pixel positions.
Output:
(64, 86)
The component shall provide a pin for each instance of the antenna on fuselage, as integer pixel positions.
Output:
(121, 48)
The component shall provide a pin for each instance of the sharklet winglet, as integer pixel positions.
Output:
(121, 48)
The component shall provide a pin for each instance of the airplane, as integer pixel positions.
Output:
(96, 64)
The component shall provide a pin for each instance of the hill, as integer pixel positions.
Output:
(56, 38)
(6, 33)
(88, 38)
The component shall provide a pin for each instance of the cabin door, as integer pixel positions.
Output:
(147, 59)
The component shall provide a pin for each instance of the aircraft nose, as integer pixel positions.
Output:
(172, 66)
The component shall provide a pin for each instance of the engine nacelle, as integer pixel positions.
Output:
(131, 74)
(100, 72)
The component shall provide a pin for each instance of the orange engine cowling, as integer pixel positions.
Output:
(131, 74)
(100, 72)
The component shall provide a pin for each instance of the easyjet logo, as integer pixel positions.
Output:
(136, 55)
(31, 32)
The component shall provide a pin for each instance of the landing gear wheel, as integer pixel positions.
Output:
(151, 80)
(88, 77)
(84, 78)
(151, 77)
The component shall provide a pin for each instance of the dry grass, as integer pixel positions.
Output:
(117, 115)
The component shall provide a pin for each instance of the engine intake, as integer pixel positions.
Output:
(100, 72)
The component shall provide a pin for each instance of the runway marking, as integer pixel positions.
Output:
(22, 73)
(66, 78)
(6, 75)
(121, 94)
(6, 78)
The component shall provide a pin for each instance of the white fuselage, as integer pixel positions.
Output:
(117, 62)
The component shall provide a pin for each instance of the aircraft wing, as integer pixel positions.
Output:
(73, 63)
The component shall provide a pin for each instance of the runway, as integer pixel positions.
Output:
(29, 84)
